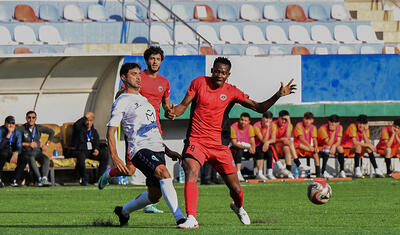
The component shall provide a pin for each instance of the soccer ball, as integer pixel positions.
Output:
(319, 192)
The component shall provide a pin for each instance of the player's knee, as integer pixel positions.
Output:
(154, 196)
(161, 172)
(236, 189)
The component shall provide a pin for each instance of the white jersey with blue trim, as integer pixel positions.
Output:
(139, 123)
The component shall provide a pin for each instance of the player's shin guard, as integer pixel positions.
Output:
(138, 203)
(237, 198)
(372, 159)
(325, 157)
(356, 160)
(341, 161)
(169, 193)
(388, 162)
(191, 197)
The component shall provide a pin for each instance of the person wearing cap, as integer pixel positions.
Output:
(10, 144)
(32, 150)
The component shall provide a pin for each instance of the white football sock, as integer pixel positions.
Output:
(169, 193)
(279, 163)
(259, 172)
(141, 201)
(269, 171)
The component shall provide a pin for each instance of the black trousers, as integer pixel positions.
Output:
(238, 154)
(81, 156)
(5, 156)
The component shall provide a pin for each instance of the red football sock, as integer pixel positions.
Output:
(113, 172)
(237, 198)
(191, 197)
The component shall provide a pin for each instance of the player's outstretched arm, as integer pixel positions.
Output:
(178, 110)
(118, 163)
(264, 106)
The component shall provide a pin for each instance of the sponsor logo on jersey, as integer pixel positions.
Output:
(223, 97)
(160, 88)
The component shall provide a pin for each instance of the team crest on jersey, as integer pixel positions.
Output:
(160, 88)
(154, 158)
(223, 97)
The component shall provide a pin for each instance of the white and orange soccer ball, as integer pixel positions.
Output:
(319, 192)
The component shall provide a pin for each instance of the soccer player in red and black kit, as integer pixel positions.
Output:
(208, 133)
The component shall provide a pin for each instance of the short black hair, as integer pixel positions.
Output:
(396, 122)
(308, 115)
(283, 113)
(268, 114)
(362, 118)
(126, 67)
(334, 118)
(245, 115)
(9, 120)
(153, 50)
(30, 112)
(222, 60)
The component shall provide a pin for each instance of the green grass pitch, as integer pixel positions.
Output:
(365, 206)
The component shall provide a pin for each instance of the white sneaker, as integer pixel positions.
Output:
(104, 179)
(378, 172)
(357, 172)
(240, 176)
(290, 175)
(271, 177)
(241, 213)
(261, 177)
(190, 223)
(283, 172)
(304, 168)
(342, 174)
(327, 175)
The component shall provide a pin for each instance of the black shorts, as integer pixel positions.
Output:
(147, 161)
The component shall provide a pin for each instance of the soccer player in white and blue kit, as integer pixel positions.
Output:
(145, 147)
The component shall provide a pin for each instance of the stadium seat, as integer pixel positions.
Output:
(227, 13)
(300, 50)
(366, 33)
(231, 34)
(390, 50)
(346, 50)
(230, 51)
(318, 12)
(250, 13)
(321, 34)
(49, 13)
(5, 37)
(254, 50)
(49, 34)
(158, 13)
(275, 33)
(299, 34)
(140, 40)
(25, 35)
(321, 51)
(206, 50)
(274, 13)
(66, 136)
(276, 50)
(340, 12)
(344, 34)
(253, 34)
(369, 50)
(97, 12)
(22, 50)
(185, 51)
(134, 13)
(184, 35)
(296, 13)
(25, 13)
(209, 33)
(204, 12)
(73, 13)
(5, 14)
(182, 12)
(159, 34)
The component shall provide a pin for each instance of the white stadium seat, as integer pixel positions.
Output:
(344, 34)
(209, 33)
(49, 34)
(367, 34)
(321, 34)
(159, 34)
(5, 37)
(253, 34)
(346, 50)
(184, 35)
(250, 12)
(340, 12)
(24, 34)
(254, 50)
(231, 34)
(275, 33)
(299, 34)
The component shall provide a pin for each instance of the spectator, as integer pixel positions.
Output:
(32, 150)
(243, 141)
(10, 143)
(389, 144)
(86, 143)
(329, 142)
(305, 140)
(356, 141)
(284, 144)
(265, 131)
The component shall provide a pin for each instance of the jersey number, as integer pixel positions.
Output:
(191, 148)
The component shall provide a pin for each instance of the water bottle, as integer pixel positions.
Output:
(120, 180)
(296, 173)
(55, 153)
(126, 180)
(181, 175)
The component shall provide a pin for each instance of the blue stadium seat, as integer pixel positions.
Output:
(140, 40)
(227, 13)
(49, 13)
(5, 14)
(317, 12)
